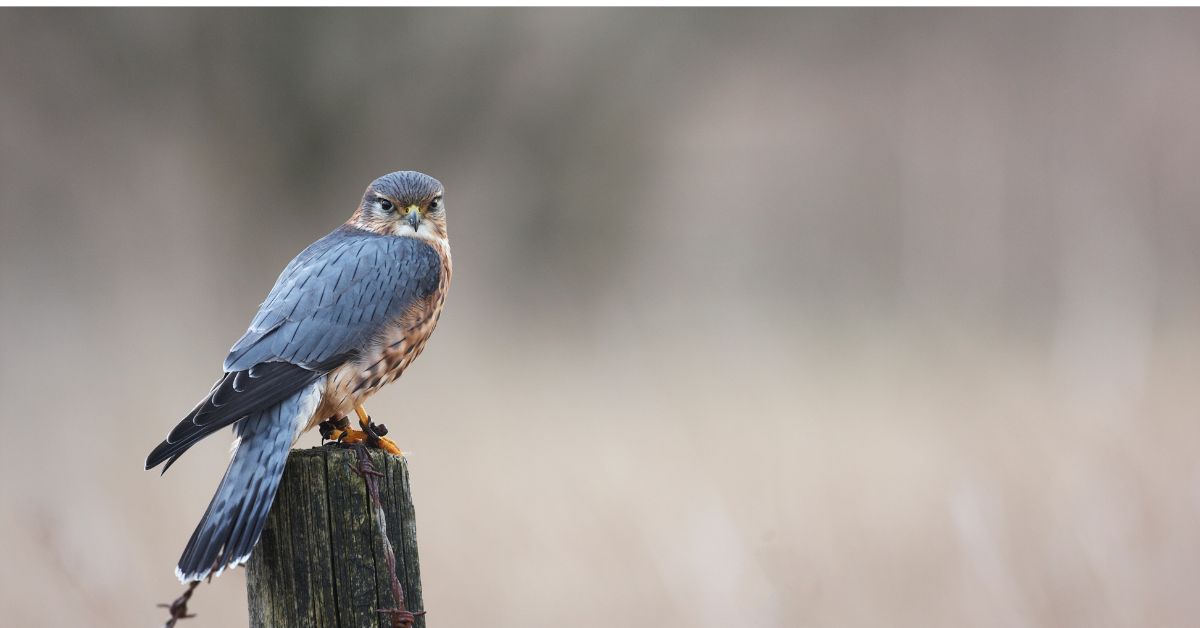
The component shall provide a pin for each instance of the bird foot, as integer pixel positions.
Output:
(333, 427)
(338, 429)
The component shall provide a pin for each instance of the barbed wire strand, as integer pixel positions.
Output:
(400, 616)
(179, 608)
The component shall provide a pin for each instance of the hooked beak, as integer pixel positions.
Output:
(413, 216)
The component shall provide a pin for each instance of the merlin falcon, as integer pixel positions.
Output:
(345, 318)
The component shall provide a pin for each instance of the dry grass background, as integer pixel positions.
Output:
(771, 318)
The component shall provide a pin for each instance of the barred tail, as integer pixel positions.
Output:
(237, 513)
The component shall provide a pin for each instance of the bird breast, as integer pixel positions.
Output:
(388, 354)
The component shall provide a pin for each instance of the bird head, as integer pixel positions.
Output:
(404, 203)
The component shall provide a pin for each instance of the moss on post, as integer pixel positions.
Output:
(320, 560)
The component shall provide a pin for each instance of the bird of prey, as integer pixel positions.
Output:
(345, 317)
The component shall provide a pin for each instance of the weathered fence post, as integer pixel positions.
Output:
(320, 561)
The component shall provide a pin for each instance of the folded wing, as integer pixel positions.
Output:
(327, 305)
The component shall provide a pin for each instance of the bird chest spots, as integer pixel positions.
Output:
(396, 346)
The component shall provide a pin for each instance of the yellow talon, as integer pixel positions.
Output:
(389, 446)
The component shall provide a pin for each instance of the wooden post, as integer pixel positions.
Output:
(320, 561)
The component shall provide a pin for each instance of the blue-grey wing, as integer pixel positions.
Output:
(334, 297)
(327, 303)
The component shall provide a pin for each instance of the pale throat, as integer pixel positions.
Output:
(424, 231)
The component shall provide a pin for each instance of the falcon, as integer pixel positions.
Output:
(346, 317)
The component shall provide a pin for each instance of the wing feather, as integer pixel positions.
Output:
(327, 304)
(338, 304)
(235, 396)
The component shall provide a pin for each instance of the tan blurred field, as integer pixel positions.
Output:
(768, 318)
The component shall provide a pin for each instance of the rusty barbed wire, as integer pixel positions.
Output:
(400, 616)
(178, 608)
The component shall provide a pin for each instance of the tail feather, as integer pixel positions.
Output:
(238, 511)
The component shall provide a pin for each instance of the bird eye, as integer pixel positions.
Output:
(385, 204)
(435, 204)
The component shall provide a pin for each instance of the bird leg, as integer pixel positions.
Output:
(372, 434)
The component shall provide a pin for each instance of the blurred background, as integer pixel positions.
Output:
(760, 317)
